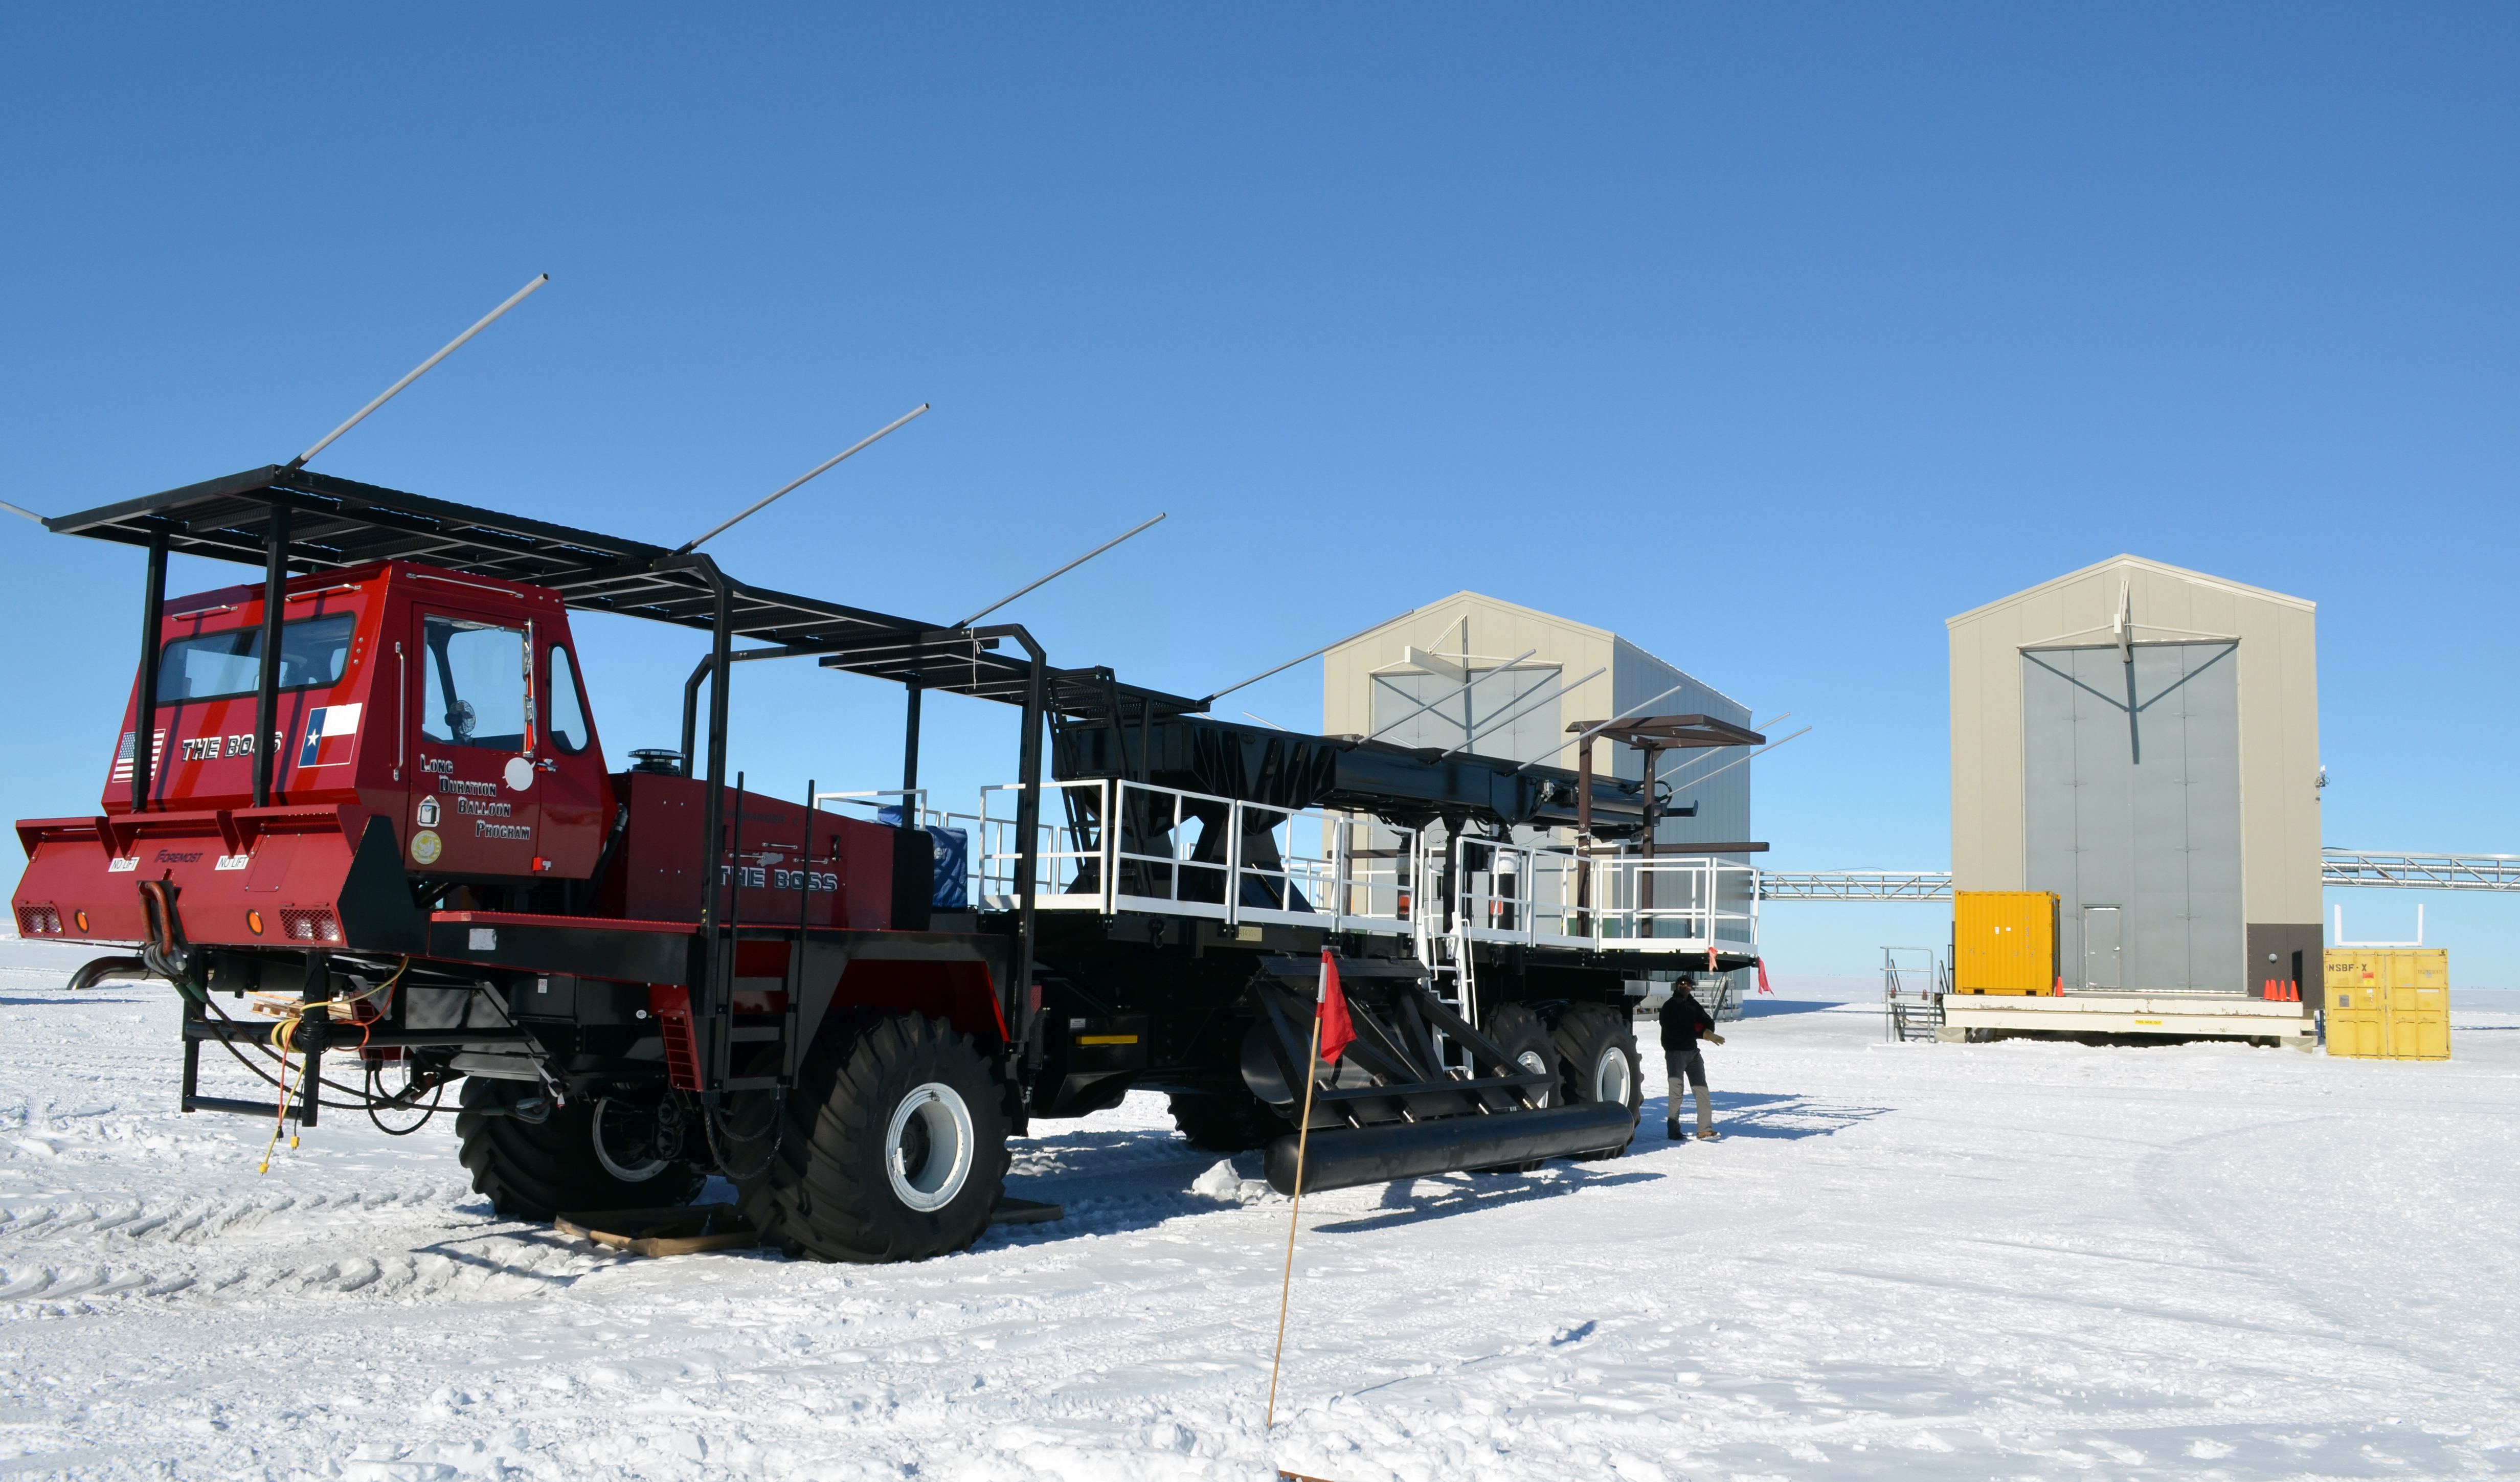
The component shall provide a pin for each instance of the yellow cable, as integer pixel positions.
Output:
(280, 1115)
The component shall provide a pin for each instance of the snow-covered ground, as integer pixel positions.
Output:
(2005, 1260)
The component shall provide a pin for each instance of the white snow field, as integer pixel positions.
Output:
(2008, 1260)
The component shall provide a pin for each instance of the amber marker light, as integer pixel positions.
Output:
(81, 916)
(253, 921)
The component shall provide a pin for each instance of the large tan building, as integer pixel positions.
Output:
(2144, 741)
(1534, 674)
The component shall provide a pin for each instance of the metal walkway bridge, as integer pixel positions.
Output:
(2401, 870)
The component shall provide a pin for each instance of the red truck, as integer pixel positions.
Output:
(360, 816)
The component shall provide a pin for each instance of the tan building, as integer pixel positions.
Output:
(2144, 741)
(1532, 674)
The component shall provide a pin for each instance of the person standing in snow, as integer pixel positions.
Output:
(1686, 1022)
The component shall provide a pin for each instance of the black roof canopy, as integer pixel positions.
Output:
(339, 523)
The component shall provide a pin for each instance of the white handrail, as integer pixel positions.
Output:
(1364, 874)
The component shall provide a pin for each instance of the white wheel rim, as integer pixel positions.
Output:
(928, 1146)
(1538, 1064)
(627, 1173)
(1610, 1077)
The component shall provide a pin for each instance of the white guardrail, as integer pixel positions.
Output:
(1242, 863)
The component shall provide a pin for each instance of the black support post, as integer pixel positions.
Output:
(1644, 872)
(1019, 1003)
(713, 1000)
(152, 615)
(316, 989)
(910, 754)
(692, 712)
(266, 700)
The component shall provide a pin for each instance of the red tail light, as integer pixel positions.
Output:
(301, 924)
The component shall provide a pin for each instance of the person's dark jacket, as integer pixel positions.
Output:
(1684, 1019)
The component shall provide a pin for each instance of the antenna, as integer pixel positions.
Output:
(816, 472)
(1290, 664)
(1515, 715)
(452, 345)
(1056, 575)
(14, 510)
(1603, 726)
(1736, 761)
(1455, 693)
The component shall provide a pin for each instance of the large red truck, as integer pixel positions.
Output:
(359, 814)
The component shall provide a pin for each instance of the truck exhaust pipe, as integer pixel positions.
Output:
(1344, 1157)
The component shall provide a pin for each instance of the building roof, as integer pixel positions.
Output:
(1468, 595)
(2139, 564)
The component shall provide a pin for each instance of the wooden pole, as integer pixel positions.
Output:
(1312, 1063)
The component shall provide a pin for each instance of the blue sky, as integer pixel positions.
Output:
(1767, 337)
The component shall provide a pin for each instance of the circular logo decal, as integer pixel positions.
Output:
(519, 775)
(425, 846)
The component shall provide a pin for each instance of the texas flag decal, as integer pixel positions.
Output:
(331, 733)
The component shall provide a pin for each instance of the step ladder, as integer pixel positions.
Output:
(1914, 981)
(1451, 969)
(1915, 1019)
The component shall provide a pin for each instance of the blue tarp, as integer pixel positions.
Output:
(953, 853)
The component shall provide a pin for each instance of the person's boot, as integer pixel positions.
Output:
(1671, 1131)
(1705, 1116)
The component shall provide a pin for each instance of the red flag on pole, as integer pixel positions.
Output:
(1762, 975)
(1337, 1030)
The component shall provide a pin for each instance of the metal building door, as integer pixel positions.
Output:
(2103, 953)
(2131, 793)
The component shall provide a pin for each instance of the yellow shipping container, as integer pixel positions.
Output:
(2003, 941)
(2388, 1003)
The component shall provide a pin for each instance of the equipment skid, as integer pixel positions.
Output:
(358, 815)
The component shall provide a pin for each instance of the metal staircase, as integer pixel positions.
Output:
(1913, 984)
(1443, 944)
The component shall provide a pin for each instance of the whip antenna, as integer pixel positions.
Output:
(810, 475)
(452, 345)
(1056, 575)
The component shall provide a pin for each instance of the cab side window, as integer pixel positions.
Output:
(567, 724)
(472, 683)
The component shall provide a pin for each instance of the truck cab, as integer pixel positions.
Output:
(446, 709)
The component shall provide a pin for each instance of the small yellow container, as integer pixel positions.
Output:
(2388, 1003)
(2003, 941)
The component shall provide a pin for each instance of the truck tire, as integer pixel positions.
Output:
(1600, 1052)
(1518, 1032)
(535, 1170)
(1228, 1121)
(892, 1147)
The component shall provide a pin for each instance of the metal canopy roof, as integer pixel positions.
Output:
(338, 522)
(1673, 732)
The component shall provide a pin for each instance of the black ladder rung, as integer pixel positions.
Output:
(754, 1034)
(750, 1083)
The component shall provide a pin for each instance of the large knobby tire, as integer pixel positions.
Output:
(538, 1170)
(892, 1147)
(1229, 1121)
(1518, 1032)
(1600, 1052)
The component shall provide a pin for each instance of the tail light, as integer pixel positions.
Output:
(304, 925)
(39, 921)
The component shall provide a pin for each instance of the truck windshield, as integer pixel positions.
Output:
(313, 651)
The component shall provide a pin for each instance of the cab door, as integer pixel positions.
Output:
(574, 797)
(475, 795)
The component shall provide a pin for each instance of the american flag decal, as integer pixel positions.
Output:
(122, 755)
